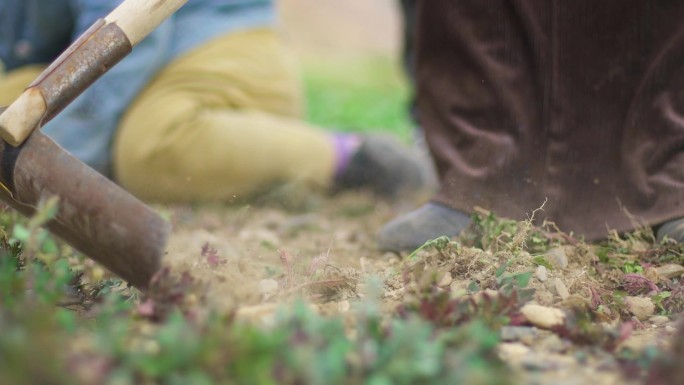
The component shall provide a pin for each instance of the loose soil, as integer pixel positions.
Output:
(259, 258)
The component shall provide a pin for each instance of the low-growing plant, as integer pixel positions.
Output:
(164, 337)
(489, 232)
(494, 309)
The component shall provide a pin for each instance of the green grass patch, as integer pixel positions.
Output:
(357, 94)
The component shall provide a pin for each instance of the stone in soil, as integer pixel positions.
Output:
(268, 288)
(659, 320)
(651, 273)
(640, 307)
(518, 333)
(546, 362)
(542, 316)
(551, 343)
(670, 271)
(541, 273)
(558, 257)
(558, 288)
(445, 280)
(512, 352)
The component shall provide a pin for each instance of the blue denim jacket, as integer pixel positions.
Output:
(36, 31)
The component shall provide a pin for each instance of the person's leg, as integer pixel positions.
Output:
(408, 54)
(223, 122)
(13, 83)
(408, 12)
(525, 111)
(219, 123)
(453, 77)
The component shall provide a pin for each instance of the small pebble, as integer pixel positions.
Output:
(361, 289)
(651, 274)
(512, 351)
(551, 343)
(659, 320)
(541, 273)
(393, 260)
(641, 307)
(558, 257)
(516, 333)
(670, 271)
(542, 316)
(558, 288)
(445, 280)
(268, 288)
(670, 329)
(389, 256)
(547, 362)
(343, 306)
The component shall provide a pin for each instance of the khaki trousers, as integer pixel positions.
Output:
(13, 83)
(219, 123)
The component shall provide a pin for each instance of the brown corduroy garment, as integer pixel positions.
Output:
(577, 101)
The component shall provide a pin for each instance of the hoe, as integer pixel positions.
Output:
(95, 216)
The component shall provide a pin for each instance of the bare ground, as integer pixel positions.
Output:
(259, 258)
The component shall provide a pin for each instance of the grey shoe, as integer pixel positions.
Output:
(673, 229)
(411, 230)
(385, 166)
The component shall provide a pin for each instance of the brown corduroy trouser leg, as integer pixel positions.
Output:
(579, 102)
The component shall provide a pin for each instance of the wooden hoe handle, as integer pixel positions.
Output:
(99, 48)
(137, 18)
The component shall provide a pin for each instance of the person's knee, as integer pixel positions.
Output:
(151, 174)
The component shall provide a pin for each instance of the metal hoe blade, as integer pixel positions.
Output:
(95, 216)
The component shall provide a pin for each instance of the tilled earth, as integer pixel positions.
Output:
(258, 258)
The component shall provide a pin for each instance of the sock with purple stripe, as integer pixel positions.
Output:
(346, 146)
